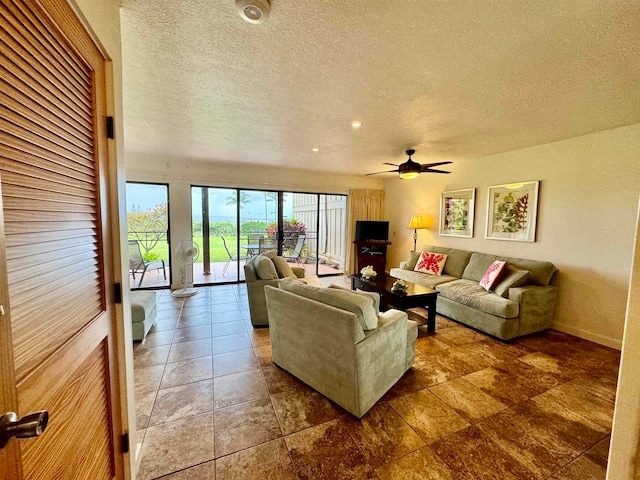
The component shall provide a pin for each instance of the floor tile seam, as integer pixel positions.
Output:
(471, 421)
(575, 452)
(487, 438)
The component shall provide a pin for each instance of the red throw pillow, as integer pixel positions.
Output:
(431, 263)
(491, 276)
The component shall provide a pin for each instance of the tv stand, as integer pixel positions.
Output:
(372, 252)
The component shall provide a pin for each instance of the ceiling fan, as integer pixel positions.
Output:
(411, 169)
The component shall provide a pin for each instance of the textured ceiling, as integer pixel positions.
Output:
(453, 79)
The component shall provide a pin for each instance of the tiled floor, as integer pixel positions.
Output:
(212, 405)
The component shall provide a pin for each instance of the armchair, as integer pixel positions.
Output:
(257, 275)
(325, 337)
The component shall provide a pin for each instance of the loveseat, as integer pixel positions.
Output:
(266, 269)
(523, 300)
(336, 341)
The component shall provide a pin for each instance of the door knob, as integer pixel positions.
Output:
(31, 425)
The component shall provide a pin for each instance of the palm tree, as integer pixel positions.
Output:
(233, 198)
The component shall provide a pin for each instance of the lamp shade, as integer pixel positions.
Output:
(416, 223)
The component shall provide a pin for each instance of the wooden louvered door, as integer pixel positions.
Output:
(56, 266)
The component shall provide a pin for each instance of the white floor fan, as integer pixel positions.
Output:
(186, 254)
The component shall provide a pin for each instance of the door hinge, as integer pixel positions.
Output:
(110, 131)
(117, 293)
(125, 443)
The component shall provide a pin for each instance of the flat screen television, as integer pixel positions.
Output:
(371, 230)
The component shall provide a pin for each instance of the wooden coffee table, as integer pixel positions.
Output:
(416, 296)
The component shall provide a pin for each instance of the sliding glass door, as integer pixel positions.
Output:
(314, 231)
(232, 225)
(147, 231)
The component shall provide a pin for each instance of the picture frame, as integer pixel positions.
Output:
(457, 209)
(512, 211)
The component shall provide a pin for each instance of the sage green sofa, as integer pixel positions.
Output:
(337, 342)
(261, 270)
(144, 311)
(522, 302)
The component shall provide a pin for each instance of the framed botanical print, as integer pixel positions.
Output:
(456, 213)
(512, 210)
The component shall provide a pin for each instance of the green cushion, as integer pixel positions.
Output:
(412, 260)
(265, 269)
(541, 272)
(478, 264)
(283, 268)
(142, 303)
(512, 277)
(375, 297)
(360, 305)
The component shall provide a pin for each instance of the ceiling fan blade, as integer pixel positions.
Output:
(387, 163)
(376, 173)
(426, 166)
(429, 170)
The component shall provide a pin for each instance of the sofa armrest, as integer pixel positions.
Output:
(298, 272)
(537, 307)
(381, 356)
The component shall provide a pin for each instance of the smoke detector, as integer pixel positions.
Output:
(253, 11)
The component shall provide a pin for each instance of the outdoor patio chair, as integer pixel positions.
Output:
(265, 244)
(233, 256)
(137, 263)
(297, 251)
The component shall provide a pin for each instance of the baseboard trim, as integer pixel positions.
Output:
(586, 335)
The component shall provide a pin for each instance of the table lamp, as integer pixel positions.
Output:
(416, 223)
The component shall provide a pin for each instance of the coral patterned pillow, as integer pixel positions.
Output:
(491, 276)
(431, 263)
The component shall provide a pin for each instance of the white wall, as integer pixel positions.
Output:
(181, 174)
(589, 189)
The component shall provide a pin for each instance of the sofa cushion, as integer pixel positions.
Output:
(283, 268)
(360, 305)
(265, 269)
(375, 297)
(470, 293)
(142, 305)
(491, 276)
(478, 264)
(457, 259)
(431, 263)
(410, 264)
(429, 281)
(541, 272)
(512, 277)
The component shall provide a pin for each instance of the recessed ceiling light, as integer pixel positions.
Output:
(356, 124)
(315, 149)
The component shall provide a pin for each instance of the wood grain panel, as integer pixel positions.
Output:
(77, 442)
(47, 163)
(53, 160)
(20, 251)
(19, 26)
(50, 105)
(31, 21)
(43, 143)
(83, 251)
(36, 115)
(47, 181)
(29, 63)
(32, 238)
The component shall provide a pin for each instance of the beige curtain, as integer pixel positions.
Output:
(361, 205)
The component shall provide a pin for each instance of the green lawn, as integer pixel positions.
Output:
(218, 253)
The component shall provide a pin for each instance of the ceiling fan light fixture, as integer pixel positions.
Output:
(409, 169)
(409, 175)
